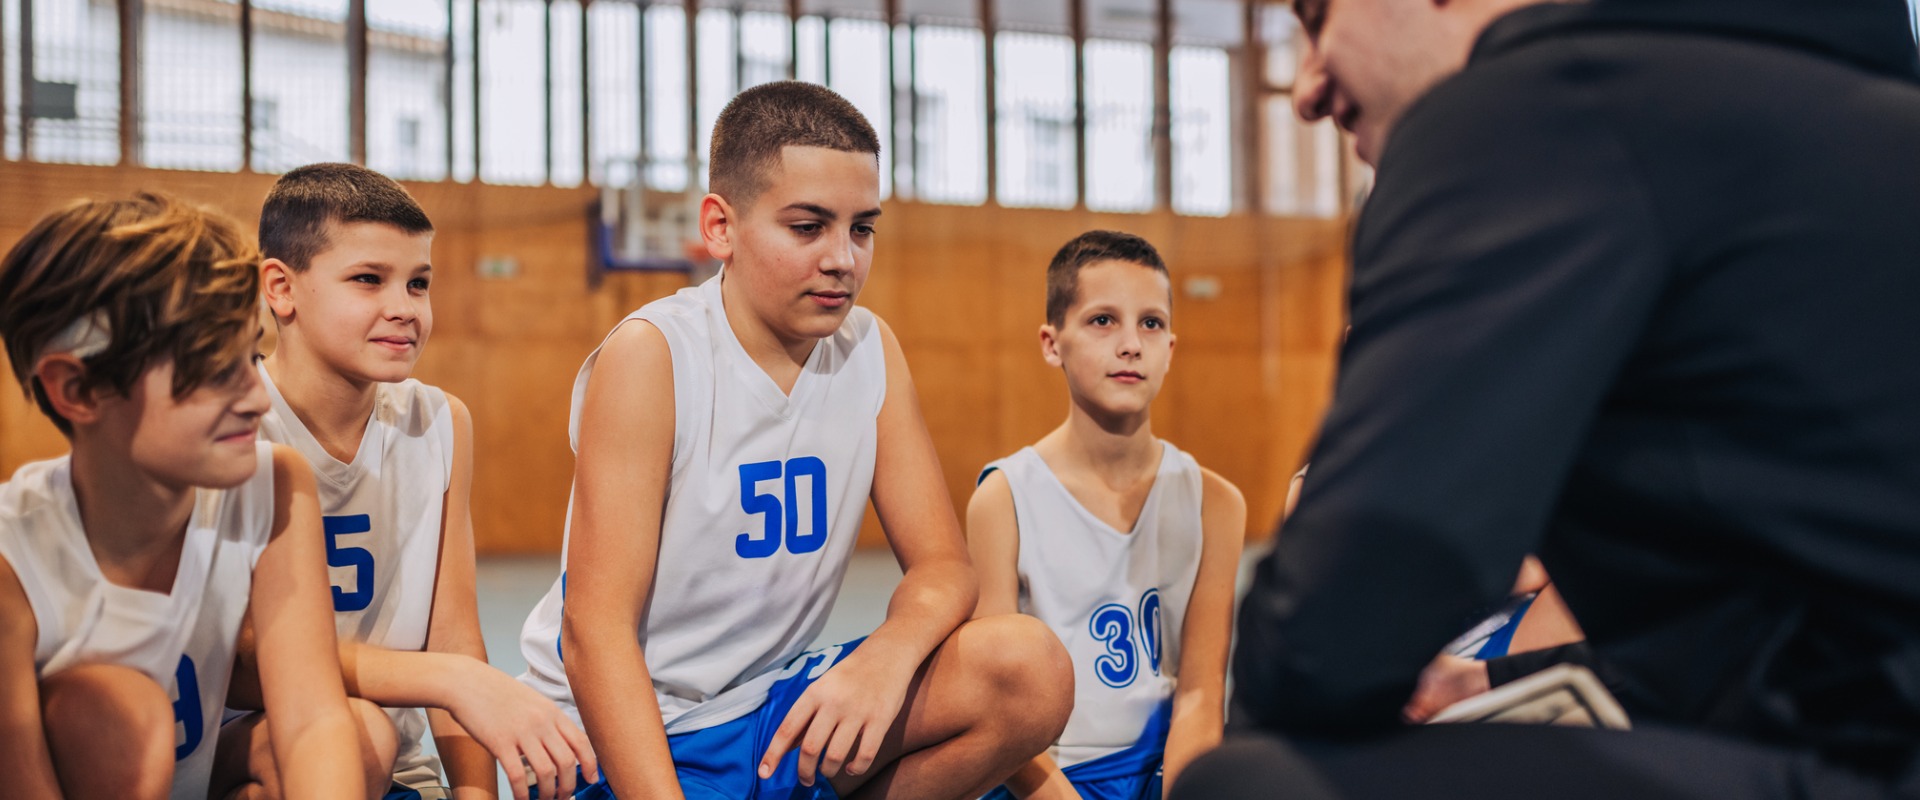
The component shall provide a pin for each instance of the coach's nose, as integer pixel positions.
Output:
(1312, 86)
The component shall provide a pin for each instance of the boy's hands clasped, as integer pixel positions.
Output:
(514, 722)
(854, 704)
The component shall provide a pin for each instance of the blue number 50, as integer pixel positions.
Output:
(783, 518)
(357, 557)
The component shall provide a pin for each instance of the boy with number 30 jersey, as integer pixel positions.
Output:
(1125, 546)
(728, 438)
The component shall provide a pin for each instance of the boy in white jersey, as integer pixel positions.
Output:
(1121, 543)
(728, 440)
(127, 565)
(347, 273)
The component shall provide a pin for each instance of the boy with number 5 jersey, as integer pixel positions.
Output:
(127, 565)
(1121, 543)
(347, 273)
(728, 439)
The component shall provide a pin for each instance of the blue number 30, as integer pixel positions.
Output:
(782, 518)
(359, 558)
(1116, 626)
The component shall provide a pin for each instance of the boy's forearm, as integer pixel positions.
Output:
(318, 756)
(1199, 718)
(470, 768)
(931, 601)
(398, 679)
(629, 735)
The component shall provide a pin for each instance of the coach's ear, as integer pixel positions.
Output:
(1050, 345)
(276, 288)
(716, 226)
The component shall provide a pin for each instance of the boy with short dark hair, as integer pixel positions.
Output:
(1124, 545)
(127, 565)
(347, 275)
(728, 441)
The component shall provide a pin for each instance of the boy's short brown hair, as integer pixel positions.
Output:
(761, 121)
(293, 223)
(167, 280)
(1092, 247)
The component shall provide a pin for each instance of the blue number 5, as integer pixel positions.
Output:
(186, 710)
(357, 557)
(753, 502)
(1112, 624)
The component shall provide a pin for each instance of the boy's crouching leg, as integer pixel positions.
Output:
(110, 730)
(379, 745)
(244, 768)
(994, 695)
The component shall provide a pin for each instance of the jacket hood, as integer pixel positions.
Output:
(1875, 34)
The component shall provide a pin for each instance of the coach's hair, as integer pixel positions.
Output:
(293, 223)
(1092, 247)
(167, 280)
(761, 121)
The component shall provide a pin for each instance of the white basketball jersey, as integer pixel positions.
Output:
(1116, 599)
(183, 640)
(764, 503)
(381, 515)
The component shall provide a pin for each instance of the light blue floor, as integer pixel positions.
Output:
(509, 588)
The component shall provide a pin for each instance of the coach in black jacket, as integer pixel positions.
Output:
(1637, 290)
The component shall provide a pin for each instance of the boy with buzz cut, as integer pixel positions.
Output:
(1122, 544)
(347, 275)
(728, 438)
(128, 564)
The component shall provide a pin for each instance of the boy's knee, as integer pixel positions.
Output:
(379, 740)
(1029, 669)
(109, 725)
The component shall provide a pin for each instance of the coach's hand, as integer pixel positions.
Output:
(853, 705)
(513, 722)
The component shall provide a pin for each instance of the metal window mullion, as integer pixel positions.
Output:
(586, 95)
(246, 86)
(546, 58)
(1162, 133)
(1253, 115)
(990, 57)
(473, 34)
(793, 39)
(357, 81)
(1077, 22)
(130, 24)
(447, 89)
(693, 91)
(644, 158)
(26, 79)
(890, 11)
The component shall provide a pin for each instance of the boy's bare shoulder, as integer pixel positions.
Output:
(636, 344)
(993, 493)
(1214, 487)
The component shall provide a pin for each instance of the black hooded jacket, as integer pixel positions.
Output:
(1638, 291)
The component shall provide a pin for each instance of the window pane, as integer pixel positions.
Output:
(1303, 163)
(513, 91)
(1119, 119)
(614, 47)
(858, 66)
(299, 83)
(1034, 88)
(667, 101)
(718, 78)
(764, 42)
(10, 79)
(950, 124)
(1202, 131)
(407, 88)
(189, 90)
(75, 108)
(812, 65)
(563, 87)
(462, 100)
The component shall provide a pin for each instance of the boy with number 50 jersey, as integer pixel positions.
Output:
(728, 439)
(1125, 546)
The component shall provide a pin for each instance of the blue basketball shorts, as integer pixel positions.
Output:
(1130, 774)
(723, 762)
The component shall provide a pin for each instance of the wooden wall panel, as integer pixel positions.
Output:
(963, 287)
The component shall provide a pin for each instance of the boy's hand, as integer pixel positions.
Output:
(1448, 680)
(513, 722)
(856, 701)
